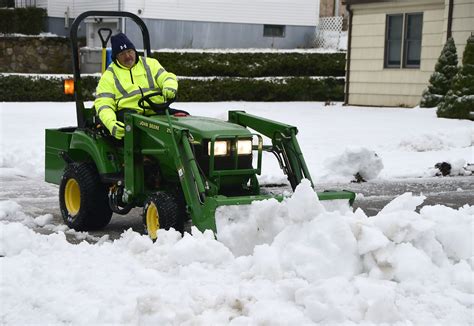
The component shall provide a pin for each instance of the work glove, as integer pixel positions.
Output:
(109, 119)
(170, 87)
(117, 129)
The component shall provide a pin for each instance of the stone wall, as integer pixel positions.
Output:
(35, 54)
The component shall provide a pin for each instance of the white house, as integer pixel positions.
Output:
(393, 46)
(199, 23)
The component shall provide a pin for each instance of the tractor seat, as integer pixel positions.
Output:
(178, 113)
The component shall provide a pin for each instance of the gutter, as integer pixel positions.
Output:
(348, 55)
(450, 19)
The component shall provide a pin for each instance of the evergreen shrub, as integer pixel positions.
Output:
(459, 101)
(441, 79)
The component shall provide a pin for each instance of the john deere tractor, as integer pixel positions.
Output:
(176, 166)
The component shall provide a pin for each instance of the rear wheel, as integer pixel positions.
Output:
(162, 211)
(83, 198)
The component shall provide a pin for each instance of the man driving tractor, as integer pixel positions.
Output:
(126, 80)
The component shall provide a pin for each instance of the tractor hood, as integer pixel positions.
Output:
(205, 128)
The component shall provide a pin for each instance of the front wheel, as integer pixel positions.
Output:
(162, 211)
(83, 198)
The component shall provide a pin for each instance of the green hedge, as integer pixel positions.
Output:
(248, 89)
(19, 88)
(28, 20)
(24, 88)
(253, 64)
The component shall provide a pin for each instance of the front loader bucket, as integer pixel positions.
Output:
(207, 218)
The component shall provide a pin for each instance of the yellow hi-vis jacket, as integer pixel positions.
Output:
(119, 87)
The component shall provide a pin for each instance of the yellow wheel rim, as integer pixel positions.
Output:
(72, 196)
(152, 221)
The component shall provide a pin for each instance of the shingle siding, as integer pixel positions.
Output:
(372, 84)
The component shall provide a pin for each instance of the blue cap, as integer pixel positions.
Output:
(120, 42)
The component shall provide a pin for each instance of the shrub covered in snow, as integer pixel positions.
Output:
(459, 101)
(440, 81)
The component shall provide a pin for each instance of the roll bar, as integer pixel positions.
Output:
(75, 52)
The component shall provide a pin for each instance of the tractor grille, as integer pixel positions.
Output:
(220, 162)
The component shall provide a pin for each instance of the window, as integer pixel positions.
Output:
(403, 40)
(273, 30)
(7, 3)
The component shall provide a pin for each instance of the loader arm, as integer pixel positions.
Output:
(284, 144)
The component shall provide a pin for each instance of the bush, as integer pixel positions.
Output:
(247, 89)
(25, 89)
(22, 88)
(28, 20)
(253, 64)
(459, 101)
(440, 81)
(235, 79)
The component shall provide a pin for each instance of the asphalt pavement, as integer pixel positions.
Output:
(372, 196)
(39, 198)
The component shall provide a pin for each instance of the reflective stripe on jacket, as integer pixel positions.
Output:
(119, 87)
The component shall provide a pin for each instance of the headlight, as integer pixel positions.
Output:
(220, 148)
(244, 147)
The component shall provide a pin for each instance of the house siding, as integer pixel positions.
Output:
(204, 23)
(225, 23)
(297, 12)
(371, 83)
(463, 23)
(205, 35)
(57, 8)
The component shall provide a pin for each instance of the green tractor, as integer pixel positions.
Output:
(177, 167)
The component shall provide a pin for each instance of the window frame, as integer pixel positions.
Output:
(403, 42)
(273, 28)
(406, 40)
(387, 41)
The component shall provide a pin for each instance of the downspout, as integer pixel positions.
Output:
(450, 19)
(348, 55)
(121, 19)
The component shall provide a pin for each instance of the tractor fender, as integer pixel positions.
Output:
(102, 153)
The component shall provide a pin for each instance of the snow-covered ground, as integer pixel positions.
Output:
(289, 263)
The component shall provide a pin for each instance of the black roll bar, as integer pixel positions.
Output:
(75, 52)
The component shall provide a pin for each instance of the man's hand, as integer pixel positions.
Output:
(118, 130)
(169, 93)
(170, 87)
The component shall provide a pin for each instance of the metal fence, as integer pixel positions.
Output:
(329, 34)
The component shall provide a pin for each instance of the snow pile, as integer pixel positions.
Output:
(425, 143)
(11, 211)
(241, 228)
(437, 141)
(360, 162)
(301, 265)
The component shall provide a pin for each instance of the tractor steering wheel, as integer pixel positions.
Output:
(158, 108)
